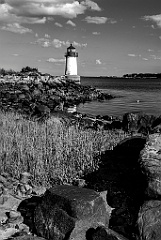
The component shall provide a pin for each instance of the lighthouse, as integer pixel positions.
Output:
(71, 64)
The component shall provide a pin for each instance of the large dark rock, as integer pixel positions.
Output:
(120, 174)
(102, 233)
(138, 122)
(149, 221)
(70, 211)
(150, 161)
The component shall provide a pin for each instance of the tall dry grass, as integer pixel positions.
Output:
(50, 149)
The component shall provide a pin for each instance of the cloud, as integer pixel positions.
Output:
(16, 28)
(46, 42)
(40, 11)
(154, 18)
(58, 24)
(112, 21)
(96, 33)
(150, 50)
(69, 22)
(96, 20)
(94, 6)
(47, 35)
(43, 42)
(7, 16)
(53, 60)
(81, 45)
(155, 57)
(145, 59)
(15, 54)
(160, 37)
(45, 8)
(132, 55)
(98, 61)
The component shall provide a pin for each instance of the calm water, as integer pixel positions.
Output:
(131, 95)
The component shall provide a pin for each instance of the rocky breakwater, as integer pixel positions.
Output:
(149, 220)
(38, 97)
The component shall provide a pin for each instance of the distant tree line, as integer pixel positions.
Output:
(142, 75)
(23, 70)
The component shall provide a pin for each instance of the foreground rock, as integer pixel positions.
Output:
(150, 161)
(68, 211)
(121, 176)
(12, 193)
(149, 221)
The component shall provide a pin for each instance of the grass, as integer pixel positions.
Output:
(51, 149)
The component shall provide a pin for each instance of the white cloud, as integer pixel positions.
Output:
(98, 61)
(46, 42)
(96, 20)
(160, 37)
(132, 55)
(69, 22)
(14, 12)
(150, 50)
(58, 24)
(145, 59)
(76, 44)
(15, 54)
(112, 21)
(45, 8)
(53, 60)
(96, 33)
(155, 57)
(154, 18)
(16, 28)
(92, 5)
(47, 35)
(58, 43)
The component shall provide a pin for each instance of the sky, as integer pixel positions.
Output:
(112, 37)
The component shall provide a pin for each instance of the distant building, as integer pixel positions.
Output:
(71, 64)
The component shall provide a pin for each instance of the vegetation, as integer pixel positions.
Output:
(50, 150)
(143, 75)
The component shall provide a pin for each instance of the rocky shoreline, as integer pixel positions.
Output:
(126, 186)
(40, 98)
(119, 201)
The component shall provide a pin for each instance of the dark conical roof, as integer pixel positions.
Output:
(71, 47)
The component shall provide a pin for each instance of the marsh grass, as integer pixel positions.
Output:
(50, 150)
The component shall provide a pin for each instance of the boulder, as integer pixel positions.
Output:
(138, 122)
(130, 122)
(150, 161)
(149, 221)
(102, 233)
(70, 211)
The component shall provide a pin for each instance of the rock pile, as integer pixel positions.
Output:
(12, 192)
(52, 94)
(149, 219)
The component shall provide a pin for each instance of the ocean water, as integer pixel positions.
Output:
(132, 95)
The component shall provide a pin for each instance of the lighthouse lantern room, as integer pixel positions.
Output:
(71, 64)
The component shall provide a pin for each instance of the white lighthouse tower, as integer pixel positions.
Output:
(71, 64)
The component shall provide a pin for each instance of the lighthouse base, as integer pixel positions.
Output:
(74, 78)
